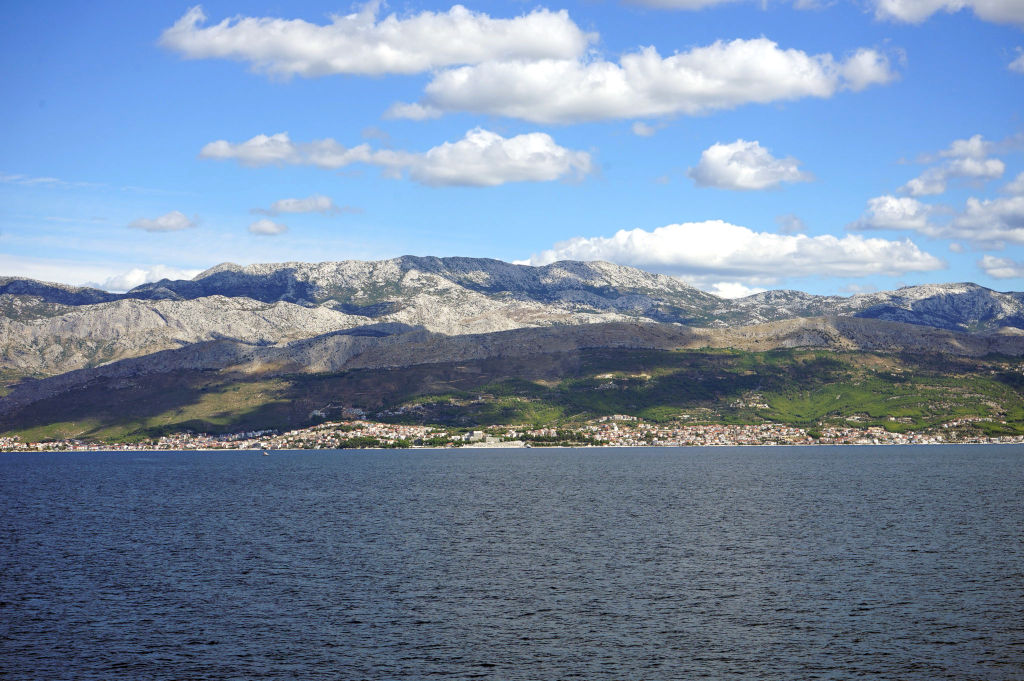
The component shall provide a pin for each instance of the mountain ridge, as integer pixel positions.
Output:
(53, 328)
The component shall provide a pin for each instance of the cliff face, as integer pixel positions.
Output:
(51, 328)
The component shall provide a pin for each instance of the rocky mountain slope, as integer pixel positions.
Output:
(957, 307)
(387, 346)
(49, 329)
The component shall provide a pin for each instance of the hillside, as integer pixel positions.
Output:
(522, 374)
(802, 387)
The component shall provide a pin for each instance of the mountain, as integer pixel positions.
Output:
(956, 307)
(276, 344)
(48, 329)
(389, 346)
(806, 371)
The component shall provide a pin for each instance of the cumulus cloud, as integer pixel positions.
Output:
(261, 150)
(1001, 268)
(361, 43)
(866, 67)
(716, 251)
(991, 222)
(317, 203)
(267, 227)
(967, 158)
(732, 289)
(169, 222)
(137, 276)
(896, 212)
(1017, 64)
(744, 165)
(722, 75)
(481, 158)
(972, 147)
(916, 11)
(278, 149)
(1016, 186)
(485, 158)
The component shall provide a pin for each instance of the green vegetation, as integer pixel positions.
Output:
(806, 388)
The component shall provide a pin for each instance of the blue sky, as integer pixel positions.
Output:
(831, 147)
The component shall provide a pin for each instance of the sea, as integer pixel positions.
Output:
(786, 563)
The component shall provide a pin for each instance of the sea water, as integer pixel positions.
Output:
(681, 563)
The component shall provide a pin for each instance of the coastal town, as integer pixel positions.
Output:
(609, 431)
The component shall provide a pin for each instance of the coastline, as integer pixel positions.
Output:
(219, 450)
(618, 431)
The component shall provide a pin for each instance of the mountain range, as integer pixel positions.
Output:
(52, 328)
(329, 317)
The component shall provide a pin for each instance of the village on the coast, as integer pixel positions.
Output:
(608, 431)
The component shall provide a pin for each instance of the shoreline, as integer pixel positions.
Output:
(216, 450)
(615, 431)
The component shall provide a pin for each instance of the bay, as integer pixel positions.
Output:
(688, 563)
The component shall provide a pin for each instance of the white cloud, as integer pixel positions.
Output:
(267, 227)
(716, 250)
(991, 222)
(169, 222)
(916, 11)
(641, 129)
(896, 212)
(732, 289)
(317, 203)
(722, 75)
(412, 112)
(487, 159)
(791, 224)
(1001, 268)
(934, 180)
(956, 247)
(967, 159)
(744, 165)
(362, 43)
(972, 147)
(481, 158)
(1017, 64)
(1016, 186)
(261, 150)
(137, 276)
(85, 273)
(865, 68)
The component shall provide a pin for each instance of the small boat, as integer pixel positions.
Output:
(266, 453)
